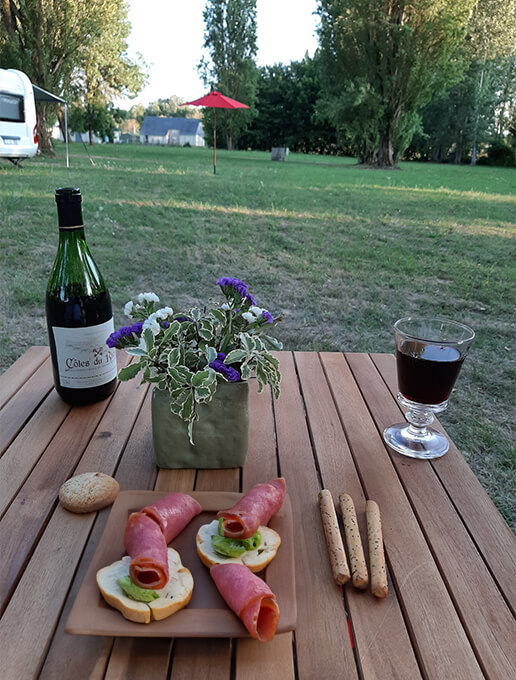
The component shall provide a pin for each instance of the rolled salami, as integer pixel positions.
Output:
(145, 544)
(258, 505)
(173, 513)
(249, 597)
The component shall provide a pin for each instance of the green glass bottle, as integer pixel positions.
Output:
(79, 315)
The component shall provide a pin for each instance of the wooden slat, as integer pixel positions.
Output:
(490, 626)
(62, 542)
(21, 526)
(262, 461)
(272, 661)
(87, 656)
(322, 642)
(252, 660)
(202, 659)
(19, 372)
(488, 528)
(137, 659)
(441, 645)
(18, 461)
(23, 404)
(378, 626)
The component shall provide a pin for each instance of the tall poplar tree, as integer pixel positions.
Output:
(231, 45)
(383, 60)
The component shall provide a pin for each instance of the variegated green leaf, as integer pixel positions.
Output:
(201, 378)
(235, 356)
(173, 357)
(129, 372)
(149, 339)
(136, 351)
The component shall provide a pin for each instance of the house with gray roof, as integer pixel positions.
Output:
(172, 131)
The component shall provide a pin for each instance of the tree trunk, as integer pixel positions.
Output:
(90, 136)
(474, 148)
(60, 118)
(44, 139)
(458, 149)
(385, 158)
(229, 141)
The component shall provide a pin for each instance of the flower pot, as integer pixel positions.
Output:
(220, 435)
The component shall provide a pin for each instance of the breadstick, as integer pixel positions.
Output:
(376, 554)
(357, 563)
(338, 561)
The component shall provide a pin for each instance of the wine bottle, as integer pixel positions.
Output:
(79, 315)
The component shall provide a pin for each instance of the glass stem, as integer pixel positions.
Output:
(419, 420)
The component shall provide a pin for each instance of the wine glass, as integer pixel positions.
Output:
(429, 356)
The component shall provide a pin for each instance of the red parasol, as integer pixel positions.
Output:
(216, 100)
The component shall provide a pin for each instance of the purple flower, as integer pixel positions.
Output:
(251, 299)
(239, 286)
(267, 316)
(228, 371)
(113, 339)
(124, 332)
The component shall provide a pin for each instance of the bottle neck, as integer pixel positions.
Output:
(69, 216)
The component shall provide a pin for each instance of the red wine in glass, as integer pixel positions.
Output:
(427, 373)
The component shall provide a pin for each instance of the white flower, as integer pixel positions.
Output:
(224, 306)
(163, 313)
(147, 297)
(250, 318)
(257, 311)
(128, 309)
(151, 323)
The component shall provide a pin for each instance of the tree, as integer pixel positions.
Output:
(98, 119)
(73, 48)
(171, 107)
(286, 115)
(383, 60)
(464, 118)
(230, 41)
(491, 34)
(103, 69)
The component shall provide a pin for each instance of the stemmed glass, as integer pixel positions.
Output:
(429, 356)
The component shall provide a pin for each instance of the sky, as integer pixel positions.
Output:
(169, 35)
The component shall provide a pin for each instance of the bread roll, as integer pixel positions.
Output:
(256, 559)
(174, 596)
(88, 492)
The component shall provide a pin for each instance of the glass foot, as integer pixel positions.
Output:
(425, 445)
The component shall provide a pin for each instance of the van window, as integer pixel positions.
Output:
(12, 108)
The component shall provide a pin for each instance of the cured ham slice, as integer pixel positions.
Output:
(145, 544)
(249, 597)
(173, 513)
(255, 508)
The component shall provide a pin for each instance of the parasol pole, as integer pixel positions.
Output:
(214, 143)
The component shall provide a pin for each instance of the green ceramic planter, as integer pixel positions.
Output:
(221, 434)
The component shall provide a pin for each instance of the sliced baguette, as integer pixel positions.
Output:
(256, 560)
(174, 596)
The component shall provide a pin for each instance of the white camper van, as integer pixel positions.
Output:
(18, 138)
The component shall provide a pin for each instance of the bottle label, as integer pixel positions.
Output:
(83, 358)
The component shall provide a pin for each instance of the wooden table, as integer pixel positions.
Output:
(451, 556)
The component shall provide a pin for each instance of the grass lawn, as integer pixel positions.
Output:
(342, 251)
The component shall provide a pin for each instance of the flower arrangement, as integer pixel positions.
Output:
(190, 353)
